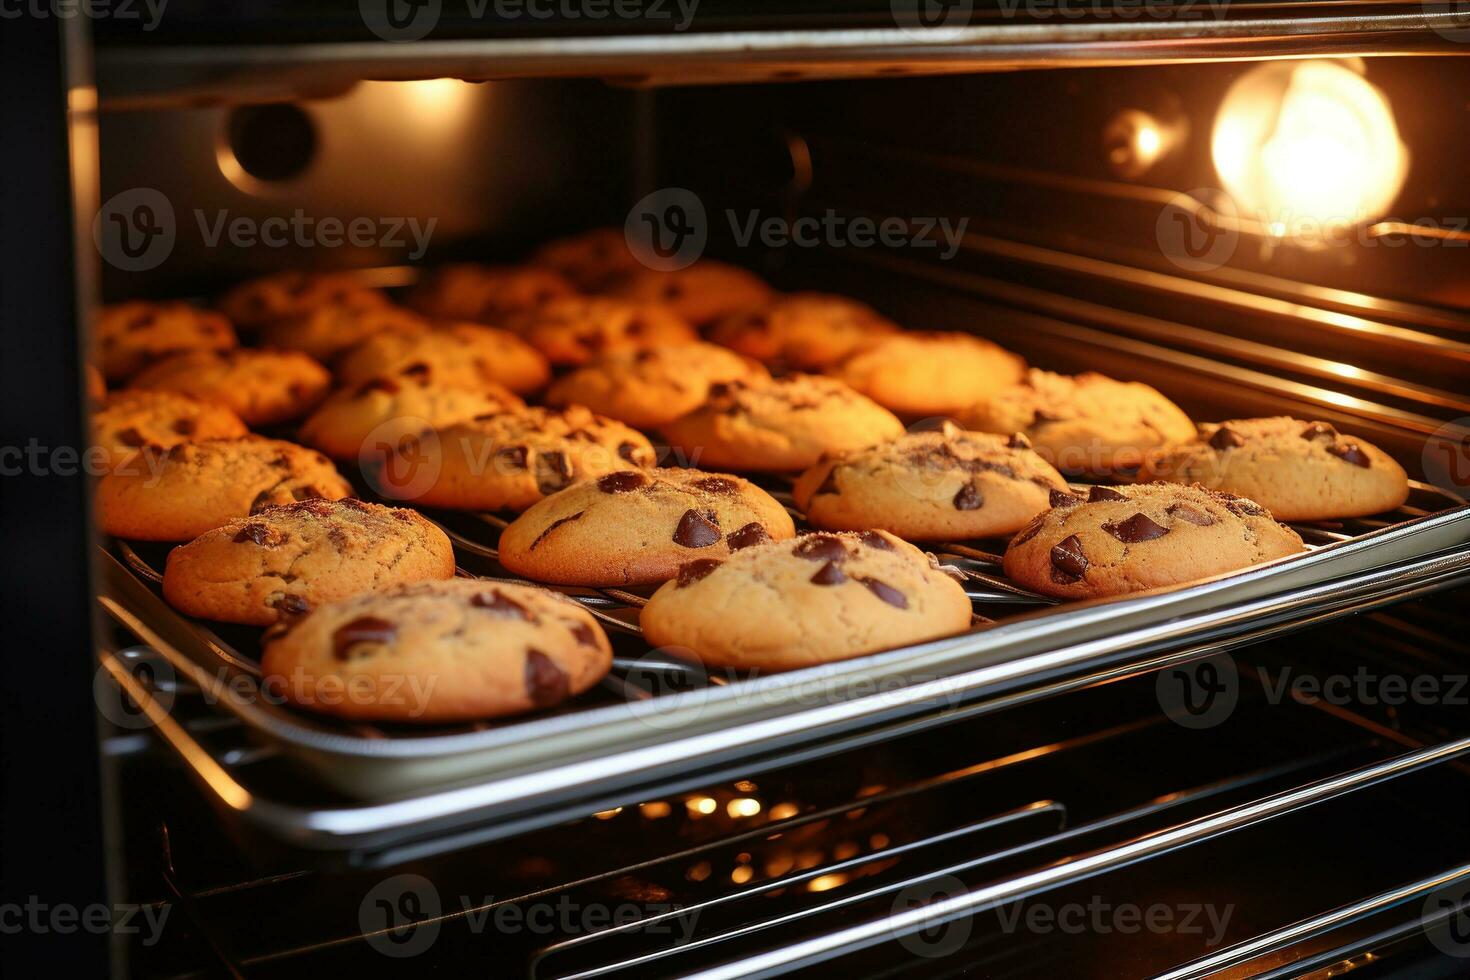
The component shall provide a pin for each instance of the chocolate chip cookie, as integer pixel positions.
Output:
(652, 387)
(251, 305)
(929, 374)
(1300, 471)
(431, 652)
(945, 485)
(574, 330)
(486, 293)
(368, 418)
(284, 561)
(802, 331)
(779, 425)
(261, 386)
(1085, 423)
(818, 598)
(325, 332)
(636, 527)
(1125, 539)
(700, 293)
(511, 460)
(461, 354)
(591, 260)
(128, 421)
(198, 486)
(132, 335)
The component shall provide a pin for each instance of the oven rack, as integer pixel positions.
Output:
(656, 715)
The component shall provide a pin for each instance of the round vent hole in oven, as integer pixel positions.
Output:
(272, 142)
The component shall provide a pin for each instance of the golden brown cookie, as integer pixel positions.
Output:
(946, 485)
(510, 461)
(463, 354)
(700, 293)
(134, 334)
(803, 331)
(1126, 539)
(457, 650)
(591, 260)
(933, 374)
(637, 527)
(819, 598)
(365, 420)
(197, 486)
(130, 420)
(261, 386)
(287, 560)
(251, 305)
(1085, 423)
(650, 388)
(575, 329)
(486, 293)
(1300, 471)
(778, 425)
(325, 332)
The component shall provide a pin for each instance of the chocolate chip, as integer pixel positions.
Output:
(365, 629)
(829, 574)
(262, 500)
(185, 427)
(1240, 506)
(716, 484)
(1317, 430)
(1192, 515)
(697, 529)
(629, 451)
(1061, 498)
(512, 456)
(820, 547)
(1041, 417)
(418, 369)
(1095, 494)
(748, 536)
(501, 605)
(1018, 440)
(255, 534)
(692, 571)
(1068, 563)
(553, 471)
(305, 493)
(1135, 529)
(584, 634)
(554, 525)
(829, 483)
(968, 497)
(1350, 452)
(885, 592)
(875, 540)
(131, 437)
(290, 604)
(1031, 530)
(623, 481)
(546, 685)
(1226, 438)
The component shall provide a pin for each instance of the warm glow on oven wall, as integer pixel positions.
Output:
(1306, 145)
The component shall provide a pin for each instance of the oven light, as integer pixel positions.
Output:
(701, 805)
(656, 810)
(743, 807)
(1305, 146)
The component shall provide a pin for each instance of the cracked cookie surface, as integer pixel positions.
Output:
(263, 387)
(926, 374)
(1116, 540)
(650, 388)
(637, 527)
(434, 652)
(128, 421)
(486, 293)
(256, 302)
(1299, 470)
(287, 560)
(132, 335)
(575, 329)
(945, 485)
(326, 331)
(814, 599)
(462, 354)
(700, 293)
(802, 331)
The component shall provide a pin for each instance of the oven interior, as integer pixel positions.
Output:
(1053, 202)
